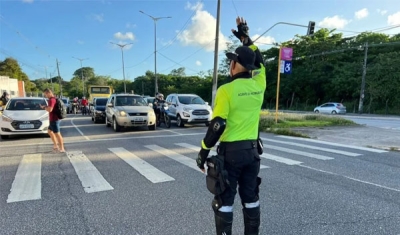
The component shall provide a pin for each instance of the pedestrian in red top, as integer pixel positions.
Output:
(54, 127)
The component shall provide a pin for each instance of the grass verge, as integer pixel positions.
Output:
(287, 121)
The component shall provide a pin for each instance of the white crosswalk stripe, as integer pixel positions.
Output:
(27, 184)
(334, 144)
(314, 147)
(196, 148)
(150, 172)
(91, 179)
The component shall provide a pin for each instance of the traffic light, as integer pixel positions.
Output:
(311, 26)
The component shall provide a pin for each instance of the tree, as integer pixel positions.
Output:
(231, 45)
(10, 67)
(86, 72)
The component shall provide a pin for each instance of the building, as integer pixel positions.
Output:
(14, 87)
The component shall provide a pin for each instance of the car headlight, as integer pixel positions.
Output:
(122, 113)
(186, 109)
(6, 119)
(44, 117)
(151, 114)
(99, 112)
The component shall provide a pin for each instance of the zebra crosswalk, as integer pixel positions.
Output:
(27, 184)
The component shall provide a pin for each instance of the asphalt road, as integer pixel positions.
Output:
(145, 182)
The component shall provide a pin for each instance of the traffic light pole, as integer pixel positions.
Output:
(286, 23)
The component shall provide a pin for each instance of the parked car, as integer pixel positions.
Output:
(188, 108)
(66, 104)
(150, 101)
(128, 110)
(23, 116)
(98, 109)
(331, 108)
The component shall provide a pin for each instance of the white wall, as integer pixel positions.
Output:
(10, 85)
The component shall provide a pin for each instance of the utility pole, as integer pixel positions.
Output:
(215, 74)
(364, 73)
(123, 66)
(60, 79)
(155, 19)
(83, 81)
(51, 81)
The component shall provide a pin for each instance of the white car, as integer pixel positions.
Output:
(23, 116)
(188, 108)
(128, 110)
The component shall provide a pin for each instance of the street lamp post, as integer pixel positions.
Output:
(83, 81)
(155, 19)
(123, 66)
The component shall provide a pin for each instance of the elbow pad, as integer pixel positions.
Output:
(215, 130)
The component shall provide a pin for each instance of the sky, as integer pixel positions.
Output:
(39, 32)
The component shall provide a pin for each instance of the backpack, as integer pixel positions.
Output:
(59, 109)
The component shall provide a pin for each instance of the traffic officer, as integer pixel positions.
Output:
(235, 124)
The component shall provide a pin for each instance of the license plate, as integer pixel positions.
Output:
(139, 119)
(26, 126)
(202, 117)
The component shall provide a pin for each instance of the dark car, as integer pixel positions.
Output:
(99, 110)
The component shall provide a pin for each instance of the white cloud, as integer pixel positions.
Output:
(130, 25)
(382, 12)
(98, 17)
(80, 42)
(27, 1)
(198, 63)
(201, 31)
(263, 40)
(361, 13)
(126, 36)
(334, 22)
(394, 19)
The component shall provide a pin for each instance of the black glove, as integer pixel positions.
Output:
(202, 157)
(242, 31)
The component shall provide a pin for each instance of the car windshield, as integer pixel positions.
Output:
(26, 104)
(190, 100)
(65, 101)
(130, 101)
(101, 102)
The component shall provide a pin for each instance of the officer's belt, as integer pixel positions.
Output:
(237, 145)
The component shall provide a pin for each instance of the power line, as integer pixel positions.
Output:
(135, 65)
(183, 28)
(176, 62)
(3, 51)
(234, 6)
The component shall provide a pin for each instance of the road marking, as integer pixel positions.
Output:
(27, 184)
(80, 132)
(314, 147)
(351, 178)
(196, 148)
(144, 168)
(301, 153)
(283, 160)
(335, 144)
(175, 156)
(91, 179)
(171, 131)
(110, 139)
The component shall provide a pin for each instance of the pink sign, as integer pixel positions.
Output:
(286, 53)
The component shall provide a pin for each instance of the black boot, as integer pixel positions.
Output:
(251, 218)
(223, 222)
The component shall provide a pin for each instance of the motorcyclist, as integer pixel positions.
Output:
(159, 99)
(75, 104)
(4, 99)
(84, 104)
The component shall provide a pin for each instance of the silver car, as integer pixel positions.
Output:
(331, 108)
(128, 110)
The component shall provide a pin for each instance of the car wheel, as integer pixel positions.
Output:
(316, 111)
(93, 120)
(179, 121)
(106, 121)
(4, 137)
(116, 127)
(152, 127)
(334, 112)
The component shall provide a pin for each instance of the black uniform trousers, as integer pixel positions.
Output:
(243, 165)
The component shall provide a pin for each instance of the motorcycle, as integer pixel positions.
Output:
(163, 116)
(85, 110)
(74, 108)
